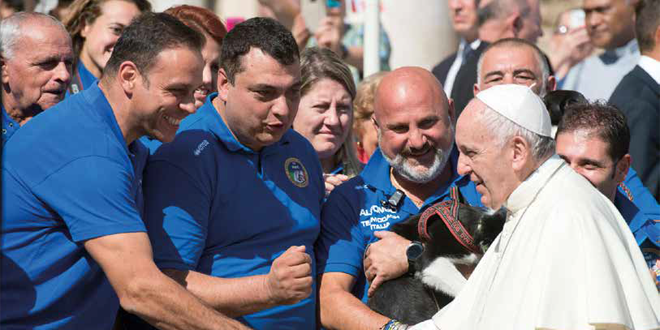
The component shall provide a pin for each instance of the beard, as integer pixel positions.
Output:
(412, 172)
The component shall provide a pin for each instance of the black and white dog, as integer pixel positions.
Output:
(454, 236)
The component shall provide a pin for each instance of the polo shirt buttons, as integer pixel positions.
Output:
(11, 124)
(4, 131)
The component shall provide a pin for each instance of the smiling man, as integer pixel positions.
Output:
(415, 167)
(36, 59)
(611, 27)
(233, 203)
(73, 244)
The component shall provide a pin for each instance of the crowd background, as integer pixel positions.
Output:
(409, 42)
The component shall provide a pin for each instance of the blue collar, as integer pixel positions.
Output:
(219, 128)
(87, 79)
(377, 175)
(101, 107)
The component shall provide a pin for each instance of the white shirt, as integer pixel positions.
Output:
(565, 259)
(458, 62)
(651, 66)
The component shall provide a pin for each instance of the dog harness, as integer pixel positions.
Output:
(447, 211)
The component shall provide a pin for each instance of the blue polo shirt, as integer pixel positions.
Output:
(67, 177)
(354, 211)
(219, 208)
(640, 196)
(9, 126)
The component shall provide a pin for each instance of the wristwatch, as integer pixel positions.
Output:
(413, 252)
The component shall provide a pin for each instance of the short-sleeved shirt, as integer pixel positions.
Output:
(217, 207)
(9, 126)
(355, 210)
(68, 177)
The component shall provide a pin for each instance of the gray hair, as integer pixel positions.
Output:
(505, 129)
(518, 43)
(11, 32)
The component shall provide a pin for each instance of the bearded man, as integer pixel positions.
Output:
(414, 167)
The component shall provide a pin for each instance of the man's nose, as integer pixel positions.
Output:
(461, 167)
(62, 72)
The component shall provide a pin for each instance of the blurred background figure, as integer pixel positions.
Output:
(569, 43)
(208, 24)
(8, 7)
(363, 110)
(464, 19)
(325, 113)
(95, 26)
(638, 97)
(610, 25)
(61, 10)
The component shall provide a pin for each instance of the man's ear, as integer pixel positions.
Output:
(223, 84)
(128, 76)
(622, 167)
(452, 112)
(4, 73)
(475, 89)
(515, 21)
(520, 153)
(551, 84)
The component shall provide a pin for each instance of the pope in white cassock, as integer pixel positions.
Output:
(565, 259)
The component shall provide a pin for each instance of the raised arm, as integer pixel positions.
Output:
(143, 290)
(288, 282)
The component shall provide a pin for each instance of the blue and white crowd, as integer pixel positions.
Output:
(159, 171)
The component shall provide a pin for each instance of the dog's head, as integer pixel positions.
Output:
(453, 229)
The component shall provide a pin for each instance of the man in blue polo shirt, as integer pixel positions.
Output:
(36, 59)
(233, 204)
(417, 157)
(594, 139)
(73, 244)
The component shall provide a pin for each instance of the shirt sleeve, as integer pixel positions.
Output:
(93, 195)
(178, 198)
(341, 245)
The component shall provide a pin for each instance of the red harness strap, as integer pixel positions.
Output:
(448, 212)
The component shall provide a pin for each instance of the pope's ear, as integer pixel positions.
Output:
(521, 152)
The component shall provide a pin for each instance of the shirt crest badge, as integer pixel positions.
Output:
(296, 172)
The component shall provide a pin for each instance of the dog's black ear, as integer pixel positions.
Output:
(407, 228)
(489, 226)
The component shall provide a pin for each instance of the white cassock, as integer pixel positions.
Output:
(565, 260)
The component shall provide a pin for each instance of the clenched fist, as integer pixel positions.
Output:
(290, 277)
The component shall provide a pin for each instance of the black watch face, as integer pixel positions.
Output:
(414, 251)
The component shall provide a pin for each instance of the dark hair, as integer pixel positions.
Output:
(557, 101)
(200, 19)
(146, 37)
(602, 120)
(85, 12)
(646, 23)
(259, 32)
(16, 5)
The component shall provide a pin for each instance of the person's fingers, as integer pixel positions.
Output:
(374, 285)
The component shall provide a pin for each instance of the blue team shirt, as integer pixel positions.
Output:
(641, 196)
(9, 126)
(217, 207)
(67, 177)
(354, 211)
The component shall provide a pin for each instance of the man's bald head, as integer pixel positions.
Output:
(15, 27)
(408, 85)
(414, 121)
(500, 19)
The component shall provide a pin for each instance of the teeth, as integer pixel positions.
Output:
(172, 121)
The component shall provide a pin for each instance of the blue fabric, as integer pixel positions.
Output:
(216, 207)
(353, 212)
(9, 126)
(642, 213)
(67, 177)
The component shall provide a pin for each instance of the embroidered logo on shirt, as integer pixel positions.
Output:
(296, 172)
(377, 217)
(200, 147)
